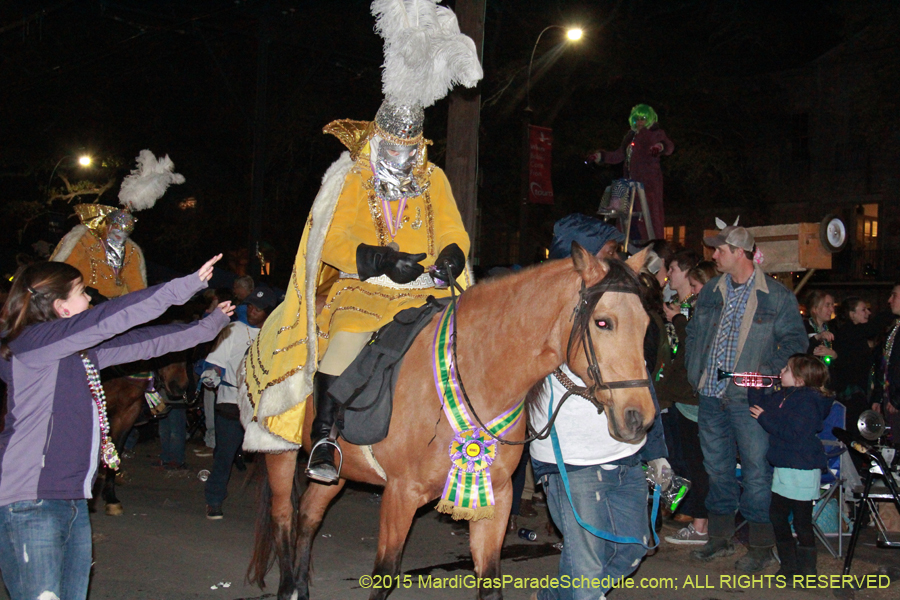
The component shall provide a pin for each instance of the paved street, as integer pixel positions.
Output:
(164, 548)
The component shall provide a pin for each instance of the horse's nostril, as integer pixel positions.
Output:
(634, 421)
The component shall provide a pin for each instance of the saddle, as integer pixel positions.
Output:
(364, 392)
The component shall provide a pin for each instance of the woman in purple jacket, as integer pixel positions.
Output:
(51, 350)
(640, 150)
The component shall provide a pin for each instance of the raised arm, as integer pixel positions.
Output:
(54, 340)
(145, 343)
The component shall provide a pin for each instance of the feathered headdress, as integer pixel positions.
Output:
(425, 55)
(148, 182)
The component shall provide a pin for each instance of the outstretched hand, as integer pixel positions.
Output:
(226, 307)
(206, 271)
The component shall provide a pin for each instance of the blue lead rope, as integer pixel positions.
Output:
(617, 539)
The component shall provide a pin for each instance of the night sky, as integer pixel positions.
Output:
(180, 77)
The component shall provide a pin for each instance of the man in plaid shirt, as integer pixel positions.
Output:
(743, 322)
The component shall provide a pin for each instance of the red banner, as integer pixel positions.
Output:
(540, 186)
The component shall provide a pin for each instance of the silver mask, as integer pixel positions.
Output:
(393, 166)
(121, 224)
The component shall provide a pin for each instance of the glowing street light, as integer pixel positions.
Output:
(84, 160)
(572, 34)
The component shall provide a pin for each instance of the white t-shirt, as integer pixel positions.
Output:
(583, 433)
(229, 353)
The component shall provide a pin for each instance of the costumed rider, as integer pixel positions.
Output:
(640, 151)
(100, 247)
(383, 230)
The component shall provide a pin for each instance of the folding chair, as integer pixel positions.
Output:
(833, 480)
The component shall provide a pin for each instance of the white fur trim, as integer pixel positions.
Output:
(67, 244)
(286, 394)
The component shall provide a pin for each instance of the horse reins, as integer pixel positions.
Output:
(580, 313)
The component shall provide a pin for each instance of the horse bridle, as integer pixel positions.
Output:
(581, 313)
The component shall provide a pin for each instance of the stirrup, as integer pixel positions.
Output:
(325, 475)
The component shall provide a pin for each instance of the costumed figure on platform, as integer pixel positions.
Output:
(100, 247)
(640, 150)
(380, 234)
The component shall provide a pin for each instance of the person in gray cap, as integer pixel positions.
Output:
(743, 322)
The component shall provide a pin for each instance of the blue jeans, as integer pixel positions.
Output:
(726, 428)
(173, 436)
(229, 437)
(45, 546)
(612, 500)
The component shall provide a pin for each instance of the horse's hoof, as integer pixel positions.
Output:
(115, 510)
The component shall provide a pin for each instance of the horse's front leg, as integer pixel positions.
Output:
(486, 540)
(398, 507)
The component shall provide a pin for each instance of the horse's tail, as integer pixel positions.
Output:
(266, 529)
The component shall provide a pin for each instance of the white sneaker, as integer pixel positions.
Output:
(688, 535)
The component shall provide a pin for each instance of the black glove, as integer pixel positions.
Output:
(454, 255)
(401, 267)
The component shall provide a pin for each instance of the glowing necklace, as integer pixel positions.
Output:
(108, 453)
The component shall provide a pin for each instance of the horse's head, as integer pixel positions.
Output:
(606, 347)
(173, 375)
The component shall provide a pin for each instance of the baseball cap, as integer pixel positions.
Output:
(734, 235)
(262, 298)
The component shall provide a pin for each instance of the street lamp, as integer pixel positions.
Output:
(572, 34)
(84, 160)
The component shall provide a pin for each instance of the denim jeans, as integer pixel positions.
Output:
(229, 437)
(45, 546)
(173, 436)
(612, 500)
(726, 428)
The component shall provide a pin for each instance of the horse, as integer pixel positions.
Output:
(125, 386)
(512, 332)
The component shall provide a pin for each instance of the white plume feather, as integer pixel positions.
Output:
(720, 223)
(425, 54)
(148, 182)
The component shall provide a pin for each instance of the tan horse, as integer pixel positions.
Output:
(512, 332)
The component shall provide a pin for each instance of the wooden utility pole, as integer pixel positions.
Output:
(462, 129)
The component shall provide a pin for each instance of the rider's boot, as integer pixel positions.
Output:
(321, 467)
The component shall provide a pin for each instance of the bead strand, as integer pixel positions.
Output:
(107, 449)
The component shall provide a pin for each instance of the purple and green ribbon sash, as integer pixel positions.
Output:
(468, 493)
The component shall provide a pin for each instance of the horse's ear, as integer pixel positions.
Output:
(637, 261)
(587, 265)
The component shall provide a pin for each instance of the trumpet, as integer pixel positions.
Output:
(749, 380)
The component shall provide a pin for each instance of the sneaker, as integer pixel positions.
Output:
(214, 513)
(688, 535)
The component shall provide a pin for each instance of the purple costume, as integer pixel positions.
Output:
(641, 164)
(50, 447)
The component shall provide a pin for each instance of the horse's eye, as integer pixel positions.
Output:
(603, 324)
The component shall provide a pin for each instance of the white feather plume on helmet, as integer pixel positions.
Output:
(148, 182)
(425, 55)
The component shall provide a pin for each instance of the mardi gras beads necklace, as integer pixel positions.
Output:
(108, 453)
